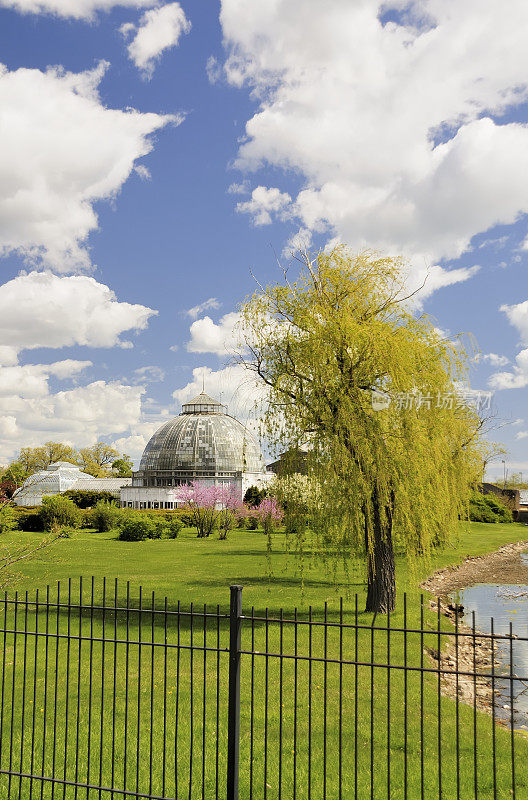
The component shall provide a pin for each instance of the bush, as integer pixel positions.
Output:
(59, 510)
(85, 498)
(173, 526)
(8, 520)
(28, 518)
(105, 516)
(137, 526)
(488, 508)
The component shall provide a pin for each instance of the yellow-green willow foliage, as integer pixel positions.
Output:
(392, 477)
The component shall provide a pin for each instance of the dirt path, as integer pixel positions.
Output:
(504, 566)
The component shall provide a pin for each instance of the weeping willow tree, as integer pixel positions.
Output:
(372, 387)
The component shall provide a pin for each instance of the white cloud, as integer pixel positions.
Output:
(209, 337)
(213, 69)
(44, 310)
(522, 435)
(234, 386)
(61, 151)
(390, 125)
(518, 377)
(159, 29)
(77, 9)
(8, 428)
(195, 311)
(238, 188)
(494, 359)
(300, 241)
(518, 421)
(150, 374)
(80, 416)
(8, 356)
(143, 172)
(265, 202)
(31, 380)
(518, 317)
(134, 444)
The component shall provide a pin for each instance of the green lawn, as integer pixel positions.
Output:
(305, 721)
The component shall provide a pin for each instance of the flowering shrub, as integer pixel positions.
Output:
(210, 507)
(270, 514)
(229, 498)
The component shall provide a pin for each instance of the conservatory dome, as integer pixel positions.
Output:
(202, 442)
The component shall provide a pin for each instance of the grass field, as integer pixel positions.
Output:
(158, 691)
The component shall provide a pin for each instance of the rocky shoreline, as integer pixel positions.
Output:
(473, 652)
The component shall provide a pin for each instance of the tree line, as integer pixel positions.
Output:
(100, 460)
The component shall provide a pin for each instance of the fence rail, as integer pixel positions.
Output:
(109, 697)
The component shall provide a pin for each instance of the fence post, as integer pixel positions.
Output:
(233, 729)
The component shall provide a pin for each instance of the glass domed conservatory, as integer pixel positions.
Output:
(203, 443)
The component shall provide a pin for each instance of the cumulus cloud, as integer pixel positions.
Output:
(397, 127)
(45, 310)
(264, 203)
(134, 444)
(522, 435)
(31, 380)
(210, 337)
(195, 311)
(159, 29)
(517, 378)
(32, 413)
(61, 151)
(77, 9)
(234, 386)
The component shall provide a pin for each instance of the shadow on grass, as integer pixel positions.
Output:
(70, 613)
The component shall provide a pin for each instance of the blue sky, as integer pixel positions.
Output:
(152, 154)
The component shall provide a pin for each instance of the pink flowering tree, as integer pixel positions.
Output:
(231, 502)
(211, 506)
(203, 501)
(270, 514)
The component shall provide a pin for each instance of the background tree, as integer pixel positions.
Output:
(31, 459)
(338, 349)
(14, 473)
(122, 467)
(203, 501)
(97, 459)
(254, 496)
(58, 451)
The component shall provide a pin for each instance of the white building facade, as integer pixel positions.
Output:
(203, 443)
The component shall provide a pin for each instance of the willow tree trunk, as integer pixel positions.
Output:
(381, 569)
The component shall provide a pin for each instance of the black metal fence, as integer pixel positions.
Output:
(103, 696)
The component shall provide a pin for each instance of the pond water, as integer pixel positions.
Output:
(504, 604)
